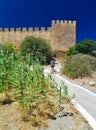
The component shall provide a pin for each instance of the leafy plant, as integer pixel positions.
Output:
(72, 51)
(85, 47)
(6, 66)
(84, 66)
(38, 49)
(28, 86)
(9, 47)
(64, 93)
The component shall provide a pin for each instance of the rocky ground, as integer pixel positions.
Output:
(11, 119)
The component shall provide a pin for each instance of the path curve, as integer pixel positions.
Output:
(85, 100)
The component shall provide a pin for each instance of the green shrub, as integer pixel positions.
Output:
(38, 49)
(72, 51)
(28, 86)
(85, 47)
(79, 65)
(9, 47)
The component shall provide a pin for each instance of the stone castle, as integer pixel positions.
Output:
(61, 35)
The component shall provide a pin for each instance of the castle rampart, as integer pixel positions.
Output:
(61, 35)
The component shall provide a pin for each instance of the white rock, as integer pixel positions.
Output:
(92, 83)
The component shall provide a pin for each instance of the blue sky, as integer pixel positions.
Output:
(40, 13)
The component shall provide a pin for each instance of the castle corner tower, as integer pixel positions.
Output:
(63, 34)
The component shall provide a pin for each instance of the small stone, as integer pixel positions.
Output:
(71, 128)
(92, 83)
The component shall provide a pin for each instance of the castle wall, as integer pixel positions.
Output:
(63, 34)
(60, 36)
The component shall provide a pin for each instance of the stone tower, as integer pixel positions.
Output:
(63, 34)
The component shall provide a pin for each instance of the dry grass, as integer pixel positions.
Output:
(38, 115)
(13, 117)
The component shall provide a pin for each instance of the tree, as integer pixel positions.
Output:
(85, 47)
(72, 51)
(38, 48)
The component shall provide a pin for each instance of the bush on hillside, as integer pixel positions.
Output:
(38, 49)
(85, 47)
(79, 65)
(7, 47)
(72, 51)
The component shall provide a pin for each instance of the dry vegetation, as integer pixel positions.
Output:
(28, 99)
(13, 117)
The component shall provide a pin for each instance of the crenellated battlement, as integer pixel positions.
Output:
(61, 35)
(24, 29)
(12, 29)
(63, 21)
(30, 29)
(18, 29)
(6, 29)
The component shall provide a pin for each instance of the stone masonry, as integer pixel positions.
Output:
(61, 35)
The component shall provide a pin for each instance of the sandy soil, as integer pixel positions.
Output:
(11, 119)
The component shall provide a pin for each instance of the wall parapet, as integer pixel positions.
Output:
(24, 29)
(31, 29)
(62, 21)
(60, 35)
(12, 29)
